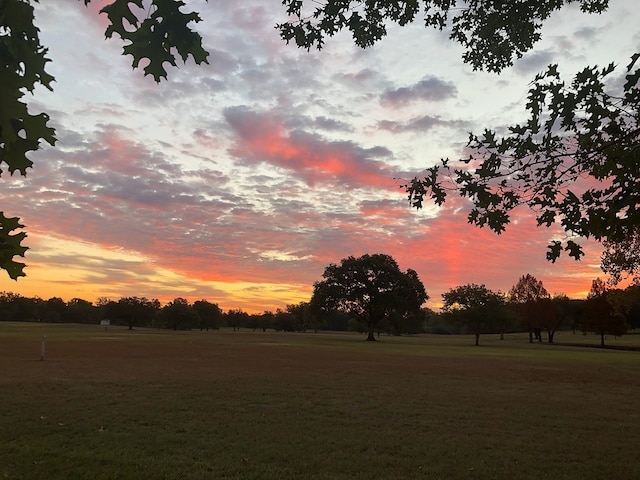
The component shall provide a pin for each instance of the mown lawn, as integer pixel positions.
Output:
(148, 404)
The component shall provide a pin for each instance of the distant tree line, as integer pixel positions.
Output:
(180, 314)
(475, 309)
(368, 294)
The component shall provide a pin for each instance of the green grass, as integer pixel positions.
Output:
(151, 404)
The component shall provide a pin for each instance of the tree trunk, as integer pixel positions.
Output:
(477, 339)
(530, 335)
(550, 334)
(602, 339)
(371, 337)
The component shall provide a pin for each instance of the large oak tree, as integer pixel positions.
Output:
(370, 289)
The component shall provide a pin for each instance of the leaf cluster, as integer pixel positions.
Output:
(493, 32)
(11, 246)
(600, 316)
(22, 68)
(159, 37)
(622, 258)
(576, 162)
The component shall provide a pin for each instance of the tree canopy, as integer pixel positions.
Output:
(600, 315)
(493, 34)
(575, 161)
(474, 306)
(370, 289)
(527, 289)
(621, 258)
(532, 303)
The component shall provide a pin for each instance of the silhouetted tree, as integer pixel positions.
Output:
(314, 318)
(369, 289)
(627, 303)
(407, 317)
(599, 315)
(18, 308)
(266, 320)
(236, 318)
(286, 321)
(210, 314)
(81, 311)
(55, 310)
(528, 299)
(133, 311)
(301, 314)
(476, 307)
(178, 314)
(622, 258)
(560, 312)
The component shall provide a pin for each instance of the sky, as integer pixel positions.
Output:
(240, 181)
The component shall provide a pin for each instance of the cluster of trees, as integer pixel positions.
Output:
(178, 314)
(528, 306)
(373, 291)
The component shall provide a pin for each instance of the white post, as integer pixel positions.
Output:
(43, 344)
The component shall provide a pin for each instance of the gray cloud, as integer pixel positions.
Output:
(428, 89)
(421, 124)
(534, 62)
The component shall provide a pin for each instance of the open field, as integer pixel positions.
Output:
(149, 404)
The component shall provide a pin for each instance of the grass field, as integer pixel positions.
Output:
(149, 404)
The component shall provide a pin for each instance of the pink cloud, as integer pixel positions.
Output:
(263, 138)
(447, 251)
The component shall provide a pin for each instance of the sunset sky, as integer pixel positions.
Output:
(240, 181)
